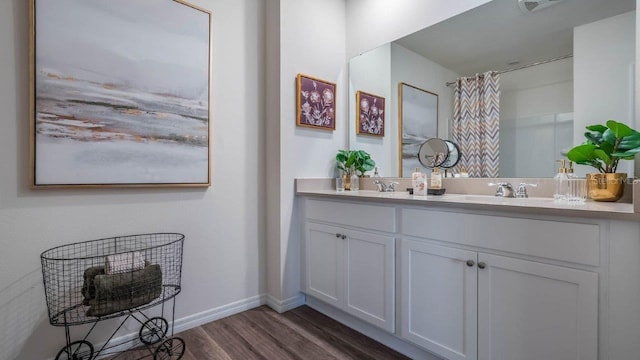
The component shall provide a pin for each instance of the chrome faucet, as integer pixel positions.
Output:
(382, 187)
(503, 189)
(521, 192)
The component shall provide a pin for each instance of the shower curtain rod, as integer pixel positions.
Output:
(526, 66)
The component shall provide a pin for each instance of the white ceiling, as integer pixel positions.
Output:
(492, 35)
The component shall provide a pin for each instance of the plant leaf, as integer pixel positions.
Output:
(620, 130)
(597, 128)
(631, 141)
(350, 160)
(602, 155)
(594, 137)
(368, 164)
(582, 154)
(627, 155)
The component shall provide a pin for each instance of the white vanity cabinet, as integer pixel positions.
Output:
(351, 269)
(438, 307)
(463, 304)
(529, 310)
(473, 282)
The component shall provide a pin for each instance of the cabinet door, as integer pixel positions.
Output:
(325, 263)
(533, 311)
(370, 278)
(439, 299)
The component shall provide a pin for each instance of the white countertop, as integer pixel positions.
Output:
(532, 205)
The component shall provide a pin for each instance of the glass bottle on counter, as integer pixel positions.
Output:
(576, 187)
(560, 183)
(355, 181)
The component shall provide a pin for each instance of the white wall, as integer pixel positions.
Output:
(224, 224)
(637, 88)
(539, 90)
(529, 100)
(312, 42)
(371, 23)
(371, 73)
(604, 57)
(541, 100)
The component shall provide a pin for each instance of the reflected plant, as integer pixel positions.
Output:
(359, 161)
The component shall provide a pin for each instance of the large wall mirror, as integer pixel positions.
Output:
(583, 58)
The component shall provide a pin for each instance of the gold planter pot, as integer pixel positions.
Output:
(606, 187)
(347, 182)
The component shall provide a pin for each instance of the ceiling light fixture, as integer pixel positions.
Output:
(528, 6)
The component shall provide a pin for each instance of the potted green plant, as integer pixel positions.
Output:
(604, 148)
(353, 161)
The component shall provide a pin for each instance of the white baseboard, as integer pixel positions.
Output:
(207, 316)
(377, 334)
(285, 305)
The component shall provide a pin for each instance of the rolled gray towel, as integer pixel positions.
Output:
(123, 291)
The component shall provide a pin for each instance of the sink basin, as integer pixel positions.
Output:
(490, 199)
(392, 194)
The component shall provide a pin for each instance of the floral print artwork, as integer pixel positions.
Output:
(370, 112)
(316, 103)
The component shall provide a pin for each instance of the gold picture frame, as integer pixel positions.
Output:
(417, 122)
(315, 103)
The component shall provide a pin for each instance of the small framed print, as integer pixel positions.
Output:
(369, 114)
(316, 103)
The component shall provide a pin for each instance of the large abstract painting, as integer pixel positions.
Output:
(120, 93)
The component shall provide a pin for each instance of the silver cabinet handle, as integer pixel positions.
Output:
(482, 265)
(470, 263)
(343, 236)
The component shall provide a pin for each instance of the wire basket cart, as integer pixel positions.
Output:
(118, 277)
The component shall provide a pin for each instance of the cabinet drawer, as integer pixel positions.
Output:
(370, 217)
(565, 241)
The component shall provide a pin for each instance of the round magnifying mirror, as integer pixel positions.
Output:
(454, 155)
(433, 153)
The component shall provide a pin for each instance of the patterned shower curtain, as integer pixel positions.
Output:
(476, 119)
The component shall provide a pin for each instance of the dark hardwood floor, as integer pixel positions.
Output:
(263, 334)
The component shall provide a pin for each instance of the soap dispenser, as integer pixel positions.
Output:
(355, 181)
(576, 187)
(561, 182)
(419, 182)
(436, 178)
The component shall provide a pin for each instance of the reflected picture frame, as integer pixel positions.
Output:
(417, 122)
(315, 103)
(100, 119)
(370, 114)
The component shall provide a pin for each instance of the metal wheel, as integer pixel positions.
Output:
(77, 350)
(153, 330)
(170, 349)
